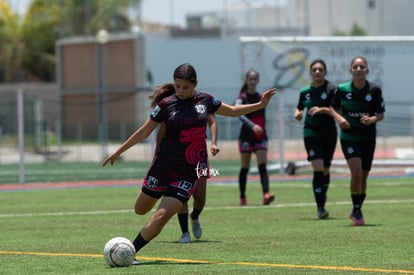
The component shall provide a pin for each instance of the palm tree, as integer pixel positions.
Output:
(29, 45)
(86, 17)
(11, 46)
(40, 33)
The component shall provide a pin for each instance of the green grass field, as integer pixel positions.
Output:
(63, 231)
(75, 171)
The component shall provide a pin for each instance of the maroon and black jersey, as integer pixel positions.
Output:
(183, 150)
(258, 117)
(186, 123)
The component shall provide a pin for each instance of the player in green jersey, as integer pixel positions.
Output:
(357, 106)
(319, 130)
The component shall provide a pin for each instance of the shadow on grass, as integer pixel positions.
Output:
(319, 220)
(362, 226)
(193, 241)
(160, 262)
(349, 223)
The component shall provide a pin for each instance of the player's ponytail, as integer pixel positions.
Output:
(160, 92)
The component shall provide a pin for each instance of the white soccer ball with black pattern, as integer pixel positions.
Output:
(119, 252)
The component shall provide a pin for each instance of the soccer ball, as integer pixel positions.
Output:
(119, 252)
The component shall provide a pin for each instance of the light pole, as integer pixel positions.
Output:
(102, 37)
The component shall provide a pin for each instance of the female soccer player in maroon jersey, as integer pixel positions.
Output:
(199, 195)
(175, 169)
(253, 138)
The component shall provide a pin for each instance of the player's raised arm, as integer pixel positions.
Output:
(238, 110)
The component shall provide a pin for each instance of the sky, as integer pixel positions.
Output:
(174, 11)
(169, 11)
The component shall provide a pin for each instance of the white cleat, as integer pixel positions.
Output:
(197, 230)
(185, 238)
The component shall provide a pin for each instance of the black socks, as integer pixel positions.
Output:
(139, 242)
(264, 178)
(242, 182)
(357, 200)
(183, 220)
(196, 212)
(318, 189)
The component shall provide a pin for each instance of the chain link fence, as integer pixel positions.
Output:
(45, 141)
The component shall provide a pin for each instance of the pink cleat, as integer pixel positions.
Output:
(357, 218)
(268, 198)
(243, 201)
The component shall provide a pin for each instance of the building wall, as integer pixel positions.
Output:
(376, 17)
(320, 17)
(80, 66)
(102, 80)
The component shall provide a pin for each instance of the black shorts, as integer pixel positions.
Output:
(249, 146)
(363, 150)
(172, 190)
(321, 149)
(173, 179)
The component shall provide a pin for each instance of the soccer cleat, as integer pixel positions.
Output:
(243, 201)
(322, 213)
(136, 261)
(185, 238)
(197, 230)
(357, 217)
(268, 198)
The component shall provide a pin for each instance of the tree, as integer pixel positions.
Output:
(27, 48)
(356, 30)
(11, 46)
(40, 32)
(87, 17)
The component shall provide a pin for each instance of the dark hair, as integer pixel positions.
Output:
(184, 71)
(359, 57)
(160, 92)
(187, 72)
(244, 87)
(318, 61)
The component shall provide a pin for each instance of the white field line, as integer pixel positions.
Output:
(104, 212)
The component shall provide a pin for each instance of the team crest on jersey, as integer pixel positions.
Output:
(349, 96)
(155, 111)
(324, 96)
(307, 96)
(216, 101)
(152, 182)
(201, 109)
(368, 97)
(350, 150)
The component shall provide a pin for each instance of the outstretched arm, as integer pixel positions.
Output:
(139, 135)
(238, 110)
(213, 133)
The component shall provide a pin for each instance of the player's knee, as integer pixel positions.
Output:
(141, 211)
